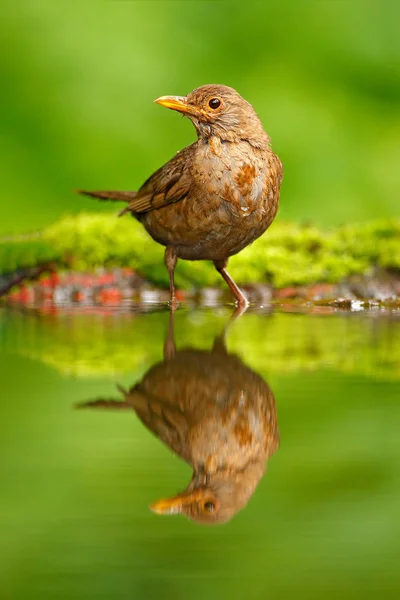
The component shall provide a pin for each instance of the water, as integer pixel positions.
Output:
(76, 484)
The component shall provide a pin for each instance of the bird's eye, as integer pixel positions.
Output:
(209, 506)
(214, 103)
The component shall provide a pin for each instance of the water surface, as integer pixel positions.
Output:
(76, 485)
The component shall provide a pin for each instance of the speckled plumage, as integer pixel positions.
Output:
(217, 195)
(215, 413)
(229, 203)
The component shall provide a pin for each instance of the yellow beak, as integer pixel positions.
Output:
(178, 103)
(175, 505)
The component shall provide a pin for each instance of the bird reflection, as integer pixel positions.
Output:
(217, 415)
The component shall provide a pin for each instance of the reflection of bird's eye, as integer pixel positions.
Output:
(214, 103)
(209, 506)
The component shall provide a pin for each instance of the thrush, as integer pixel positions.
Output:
(215, 413)
(217, 195)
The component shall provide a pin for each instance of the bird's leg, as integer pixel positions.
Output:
(219, 346)
(241, 299)
(170, 261)
(169, 345)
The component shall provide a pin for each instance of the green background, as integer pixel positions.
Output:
(77, 83)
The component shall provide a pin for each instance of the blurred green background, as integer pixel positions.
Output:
(77, 83)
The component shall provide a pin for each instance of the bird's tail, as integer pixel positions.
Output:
(113, 196)
(104, 404)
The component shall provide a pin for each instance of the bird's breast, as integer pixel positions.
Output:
(241, 178)
(232, 200)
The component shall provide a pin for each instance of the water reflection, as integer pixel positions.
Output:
(215, 413)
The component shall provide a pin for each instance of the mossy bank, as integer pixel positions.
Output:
(287, 254)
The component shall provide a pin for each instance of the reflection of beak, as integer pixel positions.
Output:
(175, 505)
(178, 103)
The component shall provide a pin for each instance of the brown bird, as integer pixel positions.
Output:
(217, 415)
(217, 195)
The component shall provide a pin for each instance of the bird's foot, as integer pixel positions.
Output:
(241, 307)
(173, 304)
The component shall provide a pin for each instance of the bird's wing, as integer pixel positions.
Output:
(166, 421)
(169, 184)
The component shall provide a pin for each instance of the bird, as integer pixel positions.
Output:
(215, 413)
(217, 195)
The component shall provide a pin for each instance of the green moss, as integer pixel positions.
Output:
(288, 254)
(26, 251)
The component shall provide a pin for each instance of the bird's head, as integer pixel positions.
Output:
(215, 499)
(218, 110)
